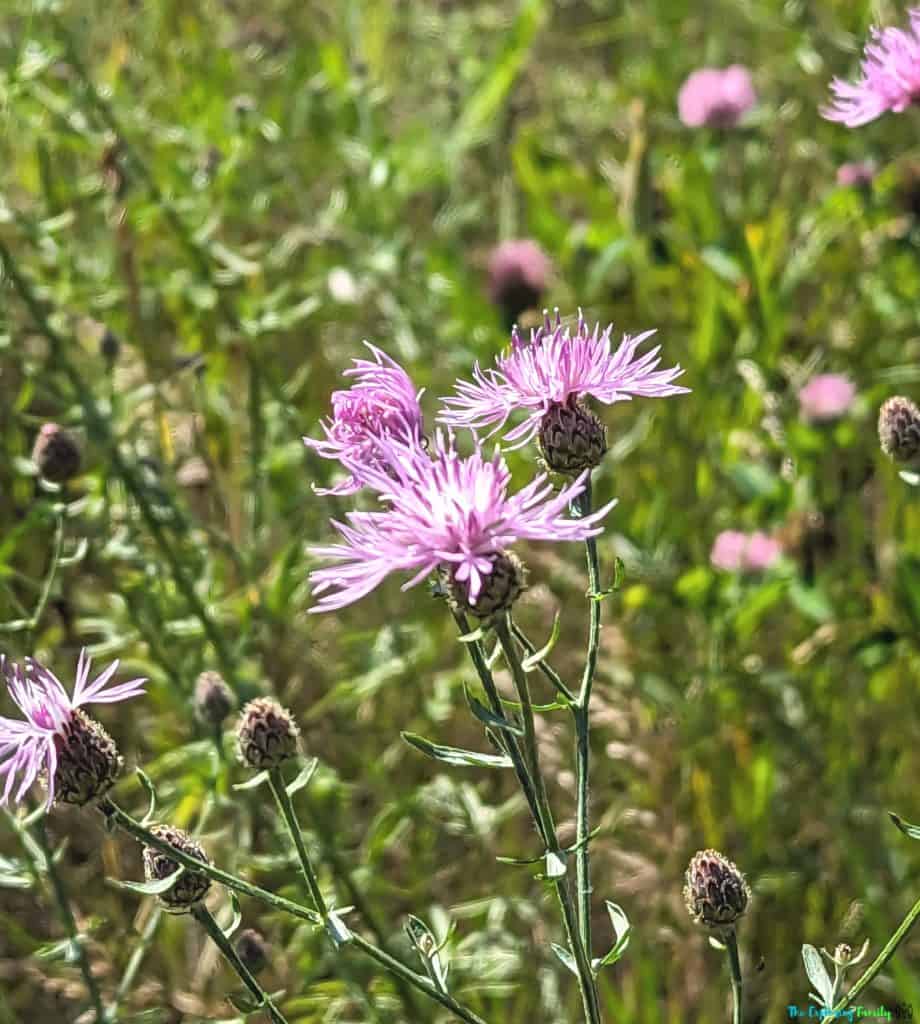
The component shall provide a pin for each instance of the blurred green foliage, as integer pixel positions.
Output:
(241, 193)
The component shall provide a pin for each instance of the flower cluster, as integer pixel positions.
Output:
(734, 551)
(453, 514)
(76, 757)
(716, 97)
(889, 79)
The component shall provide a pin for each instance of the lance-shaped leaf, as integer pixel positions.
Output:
(337, 929)
(152, 888)
(488, 717)
(454, 755)
(818, 976)
(256, 780)
(621, 933)
(237, 916)
(566, 957)
(913, 831)
(425, 944)
(151, 795)
(303, 779)
(532, 662)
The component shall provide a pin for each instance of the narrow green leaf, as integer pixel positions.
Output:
(237, 915)
(566, 957)
(337, 929)
(151, 794)
(150, 888)
(532, 662)
(454, 755)
(817, 974)
(303, 779)
(245, 1001)
(471, 638)
(256, 780)
(426, 945)
(913, 831)
(489, 717)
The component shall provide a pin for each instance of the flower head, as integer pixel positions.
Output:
(734, 551)
(54, 731)
(715, 892)
(266, 734)
(191, 886)
(552, 367)
(889, 79)
(56, 453)
(857, 174)
(826, 397)
(381, 403)
(899, 430)
(716, 97)
(213, 699)
(518, 273)
(445, 511)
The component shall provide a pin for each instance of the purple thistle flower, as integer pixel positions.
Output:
(518, 273)
(443, 511)
(856, 174)
(553, 367)
(30, 745)
(716, 97)
(381, 403)
(889, 80)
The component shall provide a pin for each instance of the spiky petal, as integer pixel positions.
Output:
(381, 403)
(443, 510)
(30, 745)
(889, 77)
(551, 367)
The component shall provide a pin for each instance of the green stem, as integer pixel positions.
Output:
(39, 612)
(115, 815)
(586, 981)
(69, 922)
(204, 917)
(99, 429)
(283, 799)
(734, 964)
(583, 734)
(134, 964)
(884, 956)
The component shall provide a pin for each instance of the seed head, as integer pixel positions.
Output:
(266, 735)
(715, 892)
(88, 762)
(252, 949)
(214, 700)
(571, 438)
(191, 886)
(56, 453)
(899, 430)
(500, 588)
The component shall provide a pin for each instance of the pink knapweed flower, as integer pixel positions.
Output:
(381, 403)
(552, 367)
(443, 510)
(27, 746)
(734, 551)
(826, 397)
(856, 174)
(518, 274)
(716, 97)
(889, 79)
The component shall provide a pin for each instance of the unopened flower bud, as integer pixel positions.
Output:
(109, 346)
(715, 892)
(899, 430)
(56, 453)
(266, 735)
(214, 700)
(191, 886)
(88, 762)
(499, 589)
(571, 438)
(252, 949)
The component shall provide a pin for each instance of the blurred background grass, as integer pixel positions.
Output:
(241, 193)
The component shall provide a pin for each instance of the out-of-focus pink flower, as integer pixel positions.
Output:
(734, 551)
(518, 275)
(856, 174)
(30, 745)
(716, 97)
(889, 79)
(551, 367)
(442, 510)
(382, 403)
(826, 397)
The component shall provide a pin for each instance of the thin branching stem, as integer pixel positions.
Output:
(117, 817)
(583, 734)
(206, 919)
(286, 807)
(586, 982)
(65, 912)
